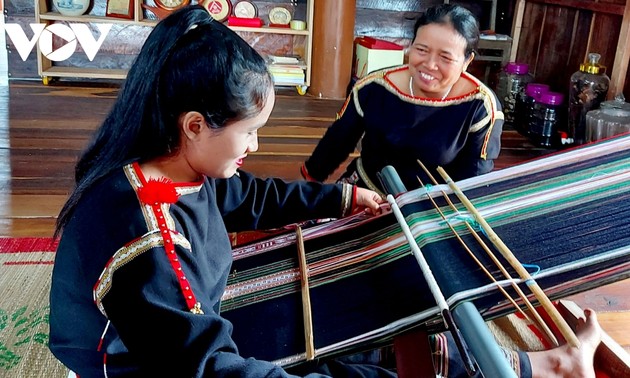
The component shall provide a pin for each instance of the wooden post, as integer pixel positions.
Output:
(622, 56)
(517, 25)
(333, 42)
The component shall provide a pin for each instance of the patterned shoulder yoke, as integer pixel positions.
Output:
(126, 254)
(155, 197)
(372, 77)
(382, 78)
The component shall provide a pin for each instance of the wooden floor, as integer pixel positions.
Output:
(43, 129)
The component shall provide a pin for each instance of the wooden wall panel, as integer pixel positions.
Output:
(530, 35)
(17, 67)
(604, 37)
(392, 20)
(619, 2)
(622, 57)
(388, 25)
(579, 27)
(552, 52)
(579, 44)
(396, 5)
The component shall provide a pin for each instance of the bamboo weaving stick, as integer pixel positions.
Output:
(306, 297)
(558, 320)
(481, 266)
(539, 320)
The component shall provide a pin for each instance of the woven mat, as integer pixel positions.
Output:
(25, 271)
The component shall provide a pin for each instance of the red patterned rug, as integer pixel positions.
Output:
(25, 270)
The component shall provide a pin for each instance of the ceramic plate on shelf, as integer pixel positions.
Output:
(171, 5)
(72, 7)
(279, 16)
(220, 10)
(245, 9)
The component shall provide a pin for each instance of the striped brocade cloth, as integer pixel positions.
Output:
(566, 217)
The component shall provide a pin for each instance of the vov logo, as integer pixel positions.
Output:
(72, 34)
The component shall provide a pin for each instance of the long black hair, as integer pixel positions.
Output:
(462, 20)
(188, 63)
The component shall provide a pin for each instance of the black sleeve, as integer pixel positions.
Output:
(249, 203)
(339, 141)
(483, 144)
(147, 309)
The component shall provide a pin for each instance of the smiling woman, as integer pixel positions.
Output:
(430, 110)
(437, 58)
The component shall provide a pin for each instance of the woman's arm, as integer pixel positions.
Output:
(250, 203)
(339, 141)
(483, 143)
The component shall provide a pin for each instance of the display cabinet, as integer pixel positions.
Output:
(45, 13)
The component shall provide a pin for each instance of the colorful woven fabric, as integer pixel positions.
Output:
(565, 215)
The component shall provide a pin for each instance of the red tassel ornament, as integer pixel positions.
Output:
(158, 191)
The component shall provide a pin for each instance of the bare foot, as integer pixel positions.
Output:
(569, 362)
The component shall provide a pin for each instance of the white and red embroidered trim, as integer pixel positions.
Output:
(159, 194)
(169, 247)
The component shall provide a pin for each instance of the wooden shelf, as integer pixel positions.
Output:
(47, 70)
(88, 73)
(263, 29)
(55, 16)
(266, 29)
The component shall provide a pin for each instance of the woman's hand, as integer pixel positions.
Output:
(367, 200)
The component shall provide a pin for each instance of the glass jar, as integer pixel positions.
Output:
(619, 102)
(525, 106)
(589, 87)
(543, 129)
(606, 122)
(512, 82)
